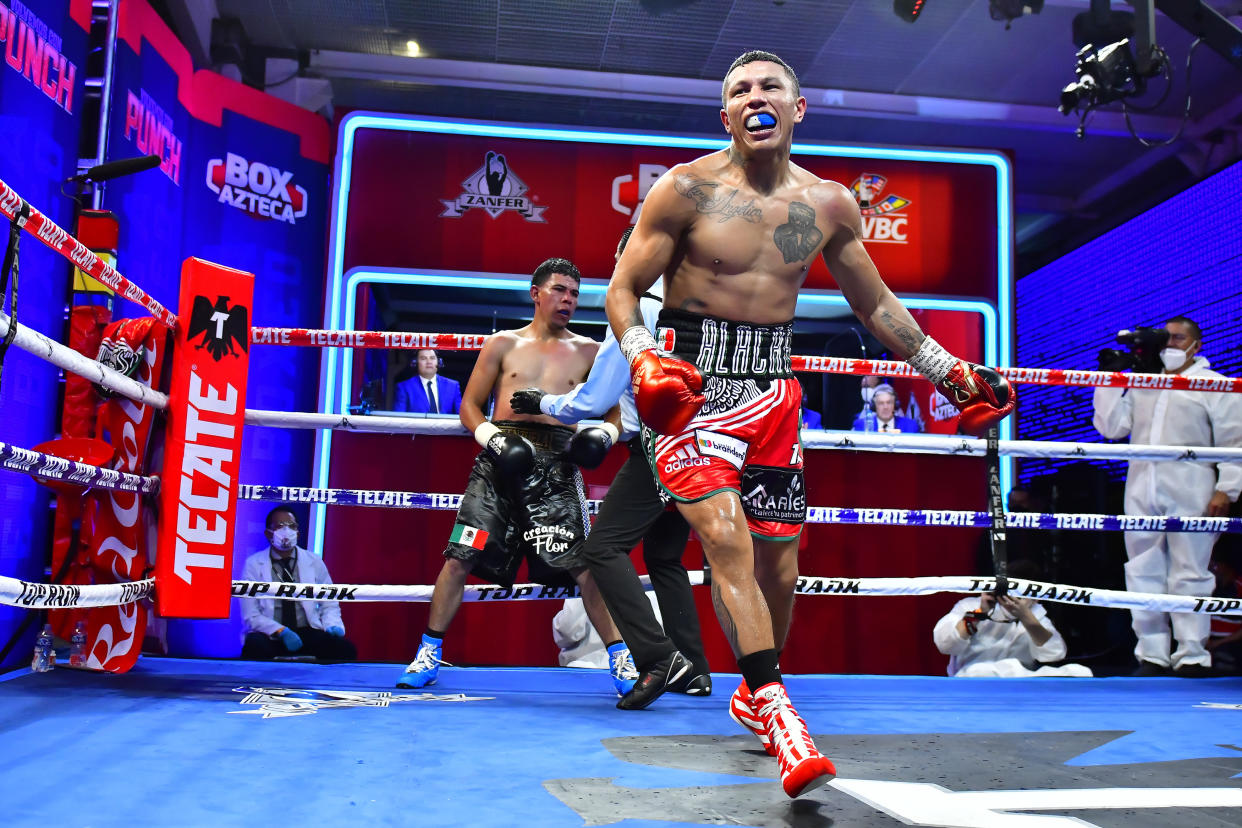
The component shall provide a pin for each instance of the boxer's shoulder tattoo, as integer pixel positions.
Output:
(910, 338)
(711, 198)
(798, 237)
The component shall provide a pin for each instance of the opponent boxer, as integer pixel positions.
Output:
(524, 498)
(633, 510)
(734, 234)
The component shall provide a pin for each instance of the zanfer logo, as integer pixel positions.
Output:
(261, 190)
(493, 188)
(882, 216)
(220, 326)
(630, 191)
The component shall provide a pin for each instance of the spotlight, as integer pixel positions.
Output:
(909, 10)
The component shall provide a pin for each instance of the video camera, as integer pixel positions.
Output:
(1143, 356)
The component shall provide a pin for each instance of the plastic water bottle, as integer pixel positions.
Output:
(77, 645)
(44, 658)
(870, 421)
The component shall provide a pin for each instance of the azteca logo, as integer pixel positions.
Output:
(630, 191)
(882, 217)
(493, 188)
(256, 188)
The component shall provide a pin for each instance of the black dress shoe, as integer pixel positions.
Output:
(692, 685)
(1150, 669)
(1193, 671)
(654, 682)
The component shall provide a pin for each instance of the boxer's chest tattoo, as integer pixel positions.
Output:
(711, 198)
(798, 237)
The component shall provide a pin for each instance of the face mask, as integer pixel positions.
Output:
(1173, 358)
(284, 538)
(868, 391)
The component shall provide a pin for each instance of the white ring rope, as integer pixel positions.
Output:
(352, 422)
(15, 593)
(51, 467)
(1086, 596)
(66, 358)
(855, 440)
(436, 501)
(971, 446)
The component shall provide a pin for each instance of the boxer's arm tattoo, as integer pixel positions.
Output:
(727, 624)
(798, 237)
(911, 339)
(709, 201)
(636, 318)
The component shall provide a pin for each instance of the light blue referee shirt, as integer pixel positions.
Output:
(608, 383)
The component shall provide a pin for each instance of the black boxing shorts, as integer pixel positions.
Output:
(745, 438)
(541, 518)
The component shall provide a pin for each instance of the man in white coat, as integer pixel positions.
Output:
(1005, 637)
(1175, 563)
(283, 628)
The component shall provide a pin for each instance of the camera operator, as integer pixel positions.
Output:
(1175, 563)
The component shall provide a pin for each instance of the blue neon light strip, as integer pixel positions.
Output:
(336, 368)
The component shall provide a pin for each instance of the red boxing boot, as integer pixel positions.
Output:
(803, 768)
(742, 711)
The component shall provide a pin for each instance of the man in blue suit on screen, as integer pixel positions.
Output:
(884, 405)
(428, 392)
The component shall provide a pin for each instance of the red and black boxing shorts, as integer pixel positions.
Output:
(746, 437)
(541, 517)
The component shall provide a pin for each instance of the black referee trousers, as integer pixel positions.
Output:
(633, 511)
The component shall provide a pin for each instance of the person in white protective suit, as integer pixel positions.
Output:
(1006, 637)
(1175, 563)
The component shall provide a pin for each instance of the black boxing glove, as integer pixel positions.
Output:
(515, 455)
(527, 401)
(590, 445)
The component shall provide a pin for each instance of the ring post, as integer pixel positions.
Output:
(203, 440)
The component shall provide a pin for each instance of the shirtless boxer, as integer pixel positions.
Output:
(734, 233)
(524, 498)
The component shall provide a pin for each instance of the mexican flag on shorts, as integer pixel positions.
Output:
(468, 536)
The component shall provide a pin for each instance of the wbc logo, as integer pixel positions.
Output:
(883, 216)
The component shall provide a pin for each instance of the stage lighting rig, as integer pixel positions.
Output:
(1118, 70)
(1105, 75)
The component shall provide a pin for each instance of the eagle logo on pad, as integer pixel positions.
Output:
(220, 326)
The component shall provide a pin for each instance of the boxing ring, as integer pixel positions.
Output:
(202, 742)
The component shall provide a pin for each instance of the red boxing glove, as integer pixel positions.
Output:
(666, 391)
(981, 394)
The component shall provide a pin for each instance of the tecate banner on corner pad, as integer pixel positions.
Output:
(194, 562)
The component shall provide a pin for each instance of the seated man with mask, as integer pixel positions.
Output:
(283, 628)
